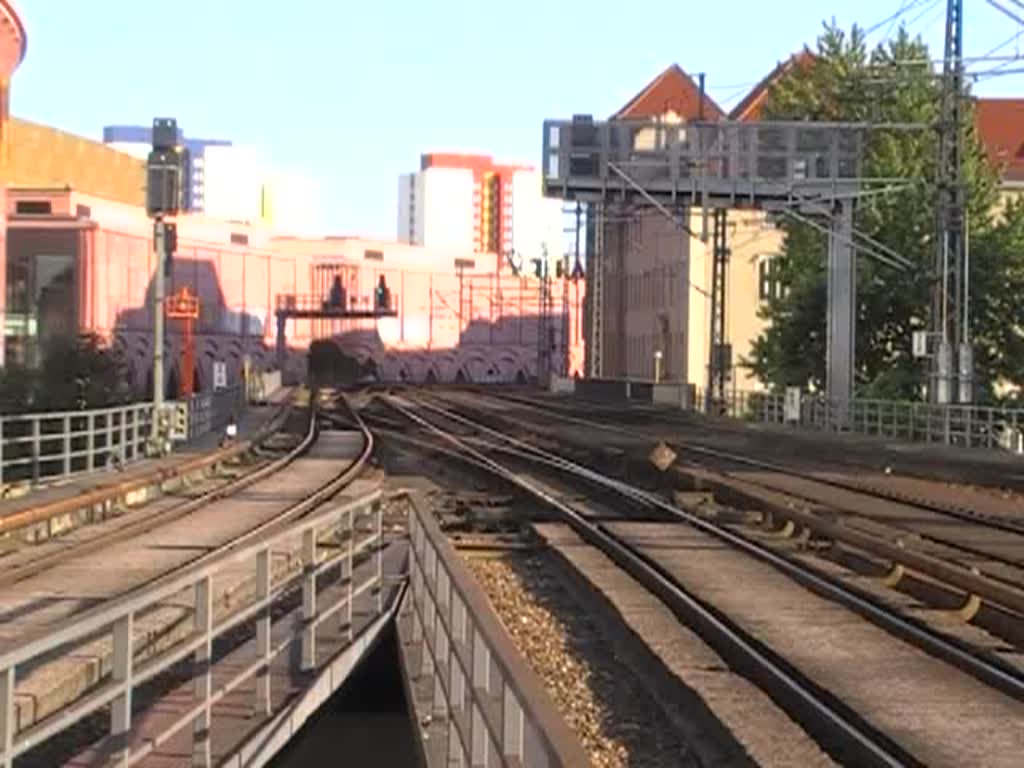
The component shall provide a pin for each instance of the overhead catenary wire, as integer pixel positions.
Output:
(1017, 14)
(909, 26)
(877, 256)
(891, 19)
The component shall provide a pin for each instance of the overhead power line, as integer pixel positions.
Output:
(927, 9)
(905, 6)
(1015, 13)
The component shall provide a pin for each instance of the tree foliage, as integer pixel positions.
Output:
(847, 82)
(74, 373)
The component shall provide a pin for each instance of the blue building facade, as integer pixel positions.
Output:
(142, 137)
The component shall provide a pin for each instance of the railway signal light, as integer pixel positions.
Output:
(179, 421)
(165, 170)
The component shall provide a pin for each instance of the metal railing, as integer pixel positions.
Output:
(209, 411)
(497, 711)
(332, 539)
(291, 304)
(39, 446)
(969, 426)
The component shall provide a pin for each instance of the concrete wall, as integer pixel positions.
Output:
(658, 284)
(752, 238)
(647, 265)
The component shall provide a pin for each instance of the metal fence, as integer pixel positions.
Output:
(496, 710)
(973, 426)
(332, 539)
(41, 446)
(37, 447)
(210, 411)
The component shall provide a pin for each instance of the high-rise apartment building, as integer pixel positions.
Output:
(537, 224)
(471, 202)
(436, 208)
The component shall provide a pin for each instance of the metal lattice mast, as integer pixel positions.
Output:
(567, 271)
(950, 316)
(595, 291)
(718, 352)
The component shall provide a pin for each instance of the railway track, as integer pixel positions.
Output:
(140, 522)
(36, 597)
(989, 544)
(848, 734)
(925, 492)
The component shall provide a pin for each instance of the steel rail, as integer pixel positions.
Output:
(993, 521)
(316, 498)
(973, 518)
(867, 745)
(172, 584)
(1006, 678)
(14, 574)
(158, 476)
(994, 591)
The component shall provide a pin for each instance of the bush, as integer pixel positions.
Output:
(76, 373)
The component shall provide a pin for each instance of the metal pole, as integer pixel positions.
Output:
(950, 213)
(159, 244)
(966, 338)
(716, 330)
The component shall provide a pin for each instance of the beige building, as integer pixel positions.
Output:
(658, 278)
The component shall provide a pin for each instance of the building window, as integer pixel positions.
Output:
(238, 238)
(34, 207)
(42, 290)
(769, 285)
(373, 255)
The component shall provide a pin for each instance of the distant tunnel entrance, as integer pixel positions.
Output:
(329, 366)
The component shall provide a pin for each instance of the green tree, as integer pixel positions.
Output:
(75, 373)
(17, 389)
(847, 82)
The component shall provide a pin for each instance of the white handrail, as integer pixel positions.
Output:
(116, 619)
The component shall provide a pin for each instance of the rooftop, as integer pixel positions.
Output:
(1000, 124)
(476, 163)
(751, 106)
(671, 91)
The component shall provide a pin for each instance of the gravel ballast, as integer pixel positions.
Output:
(615, 718)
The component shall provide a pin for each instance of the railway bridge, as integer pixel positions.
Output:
(408, 553)
(522, 559)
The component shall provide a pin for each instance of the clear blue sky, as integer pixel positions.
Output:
(353, 92)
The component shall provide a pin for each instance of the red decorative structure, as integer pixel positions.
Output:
(185, 307)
